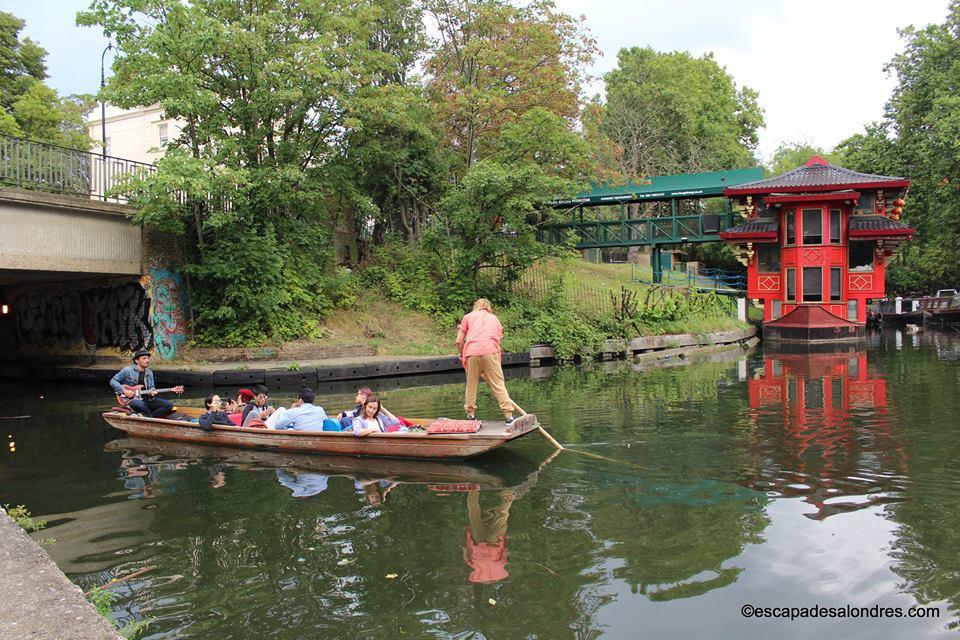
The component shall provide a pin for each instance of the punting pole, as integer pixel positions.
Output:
(560, 447)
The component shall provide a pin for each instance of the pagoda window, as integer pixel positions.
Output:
(791, 285)
(836, 277)
(812, 226)
(835, 218)
(791, 226)
(860, 256)
(812, 284)
(768, 258)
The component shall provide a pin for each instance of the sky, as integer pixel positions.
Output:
(818, 65)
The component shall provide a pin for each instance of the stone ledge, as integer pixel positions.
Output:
(38, 601)
(61, 201)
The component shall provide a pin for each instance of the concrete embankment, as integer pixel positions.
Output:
(36, 599)
(311, 373)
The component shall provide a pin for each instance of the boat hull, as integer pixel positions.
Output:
(412, 445)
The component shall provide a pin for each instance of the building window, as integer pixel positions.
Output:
(812, 226)
(162, 133)
(768, 258)
(777, 309)
(835, 226)
(812, 284)
(791, 284)
(791, 228)
(860, 256)
(836, 277)
(852, 312)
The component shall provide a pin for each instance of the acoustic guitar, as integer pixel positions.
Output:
(138, 391)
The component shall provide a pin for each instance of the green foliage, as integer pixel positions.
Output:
(102, 600)
(21, 515)
(28, 107)
(673, 113)
(793, 155)
(919, 139)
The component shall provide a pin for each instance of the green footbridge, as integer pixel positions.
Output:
(673, 227)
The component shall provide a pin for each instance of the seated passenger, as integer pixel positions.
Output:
(371, 418)
(214, 414)
(256, 408)
(303, 415)
(346, 417)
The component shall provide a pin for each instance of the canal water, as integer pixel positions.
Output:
(730, 481)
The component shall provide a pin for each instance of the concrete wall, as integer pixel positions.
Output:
(47, 232)
(95, 319)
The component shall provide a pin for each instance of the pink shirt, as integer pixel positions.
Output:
(482, 331)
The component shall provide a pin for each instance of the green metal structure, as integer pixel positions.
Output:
(652, 231)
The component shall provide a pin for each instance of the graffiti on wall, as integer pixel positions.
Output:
(44, 318)
(117, 317)
(168, 311)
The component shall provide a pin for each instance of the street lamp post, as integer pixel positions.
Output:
(103, 120)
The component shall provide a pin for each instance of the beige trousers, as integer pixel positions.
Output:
(489, 367)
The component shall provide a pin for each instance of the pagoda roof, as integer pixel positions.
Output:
(816, 175)
(876, 226)
(758, 229)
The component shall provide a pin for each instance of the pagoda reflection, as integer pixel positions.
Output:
(823, 429)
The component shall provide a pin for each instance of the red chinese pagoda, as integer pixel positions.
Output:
(816, 242)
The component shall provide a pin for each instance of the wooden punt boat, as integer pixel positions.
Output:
(418, 445)
(498, 470)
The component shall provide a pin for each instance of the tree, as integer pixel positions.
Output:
(793, 155)
(28, 107)
(919, 139)
(495, 62)
(487, 231)
(264, 90)
(673, 113)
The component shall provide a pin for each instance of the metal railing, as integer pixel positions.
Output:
(28, 164)
(635, 231)
(706, 280)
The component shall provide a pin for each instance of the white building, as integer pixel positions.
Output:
(135, 134)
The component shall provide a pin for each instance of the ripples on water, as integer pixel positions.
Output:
(767, 478)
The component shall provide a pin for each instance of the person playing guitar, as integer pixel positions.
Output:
(135, 388)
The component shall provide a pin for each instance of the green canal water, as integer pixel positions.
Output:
(741, 478)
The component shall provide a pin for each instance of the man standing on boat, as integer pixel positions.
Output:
(478, 342)
(139, 374)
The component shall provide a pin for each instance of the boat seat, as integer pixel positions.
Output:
(445, 425)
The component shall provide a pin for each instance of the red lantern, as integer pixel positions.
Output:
(897, 210)
(895, 217)
(899, 202)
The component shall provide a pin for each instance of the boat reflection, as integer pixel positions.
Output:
(497, 470)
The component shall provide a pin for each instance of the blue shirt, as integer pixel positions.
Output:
(306, 417)
(302, 485)
(129, 376)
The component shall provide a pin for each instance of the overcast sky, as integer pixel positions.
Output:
(817, 64)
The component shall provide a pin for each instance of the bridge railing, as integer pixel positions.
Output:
(634, 231)
(28, 164)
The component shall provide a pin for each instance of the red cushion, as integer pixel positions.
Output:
(454, 426)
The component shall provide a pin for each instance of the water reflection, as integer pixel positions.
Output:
(710, 467)
(824, 432)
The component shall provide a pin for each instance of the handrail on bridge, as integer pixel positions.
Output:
(41, 166)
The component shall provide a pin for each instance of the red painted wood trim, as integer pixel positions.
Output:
(811, 197)
(758, 235)
(882, 233)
